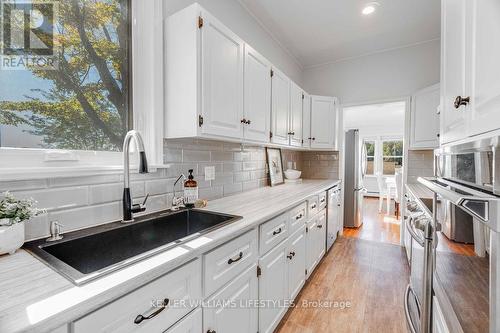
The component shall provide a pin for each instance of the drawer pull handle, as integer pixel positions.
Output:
(290, 256)
(320, 226)
(313, 206)
(276, 232)
(140, 318)
(322, 200)
(211, 331)
(231, 260)
(298, 217)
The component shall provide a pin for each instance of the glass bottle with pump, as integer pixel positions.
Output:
(190, 190)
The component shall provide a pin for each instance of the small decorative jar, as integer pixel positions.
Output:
(11, 236)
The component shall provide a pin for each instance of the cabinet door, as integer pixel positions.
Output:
(273, 286)
(257, 97)
(311, 246)
(323, 122)
(424, 118)
(227, 312)
(453, 71)
(321, 235)
(222, 79)
(296, 95)
(485, 107)
(306, 121)
(192, 323)
(280, 107)
(296, 256)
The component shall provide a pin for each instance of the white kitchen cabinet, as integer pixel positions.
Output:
(203, 76)
(424, 120)
(306, 121)
(228, 309)
(315, 241)
(122, 315)
(470, 89)
(280, 108)
(296, 99)
(485, 71)
(311, 246)
(323, 122)
(257, 96)
(273, 287)
(296, 255)
(222, 79)
(192, 323)
(453, 69)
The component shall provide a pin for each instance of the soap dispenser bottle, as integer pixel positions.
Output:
(190, 190)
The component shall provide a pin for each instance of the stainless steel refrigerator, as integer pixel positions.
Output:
(355, 167)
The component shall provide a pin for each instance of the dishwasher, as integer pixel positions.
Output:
(333, 215)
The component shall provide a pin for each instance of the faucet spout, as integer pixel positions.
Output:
(128, 207)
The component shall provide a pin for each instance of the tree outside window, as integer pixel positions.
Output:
(392, 156)
(370, 157)
(83, 104)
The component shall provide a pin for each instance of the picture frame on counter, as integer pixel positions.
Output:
(274, 162)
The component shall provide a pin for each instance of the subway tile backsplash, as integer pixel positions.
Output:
(420, 164)
(79, 202)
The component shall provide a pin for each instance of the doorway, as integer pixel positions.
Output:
(381, 127)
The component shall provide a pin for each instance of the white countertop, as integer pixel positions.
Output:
(35, 298)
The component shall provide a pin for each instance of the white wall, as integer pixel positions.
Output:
(234, 16)
(387, 75)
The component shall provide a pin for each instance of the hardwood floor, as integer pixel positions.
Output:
(446, 245)
(371, 276)
(376, 226)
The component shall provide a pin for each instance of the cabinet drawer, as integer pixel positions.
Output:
(273, 232)
(321, 201)
(192, 323)
(228, 260)
(298, 217)
(120, 316)
(312, 206)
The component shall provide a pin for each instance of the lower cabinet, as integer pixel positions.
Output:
(230, 309)
(192, 323)
(296, 255)
(133, 312)
(438, 321)
(273, 287)
(315, 240)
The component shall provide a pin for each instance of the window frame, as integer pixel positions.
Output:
(379, 157)
(145, 103)
(382, 156)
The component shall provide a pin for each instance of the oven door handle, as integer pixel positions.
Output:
(411, 229)
(411, 325)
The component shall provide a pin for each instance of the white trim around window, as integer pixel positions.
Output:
(147, 87)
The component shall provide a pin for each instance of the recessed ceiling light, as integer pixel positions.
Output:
(370, 8)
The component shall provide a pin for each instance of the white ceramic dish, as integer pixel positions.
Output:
(292, 174)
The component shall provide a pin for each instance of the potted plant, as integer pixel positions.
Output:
(13, 213)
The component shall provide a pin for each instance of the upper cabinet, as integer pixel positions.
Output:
(219, 87)
(424, 122)
(485, 90)
(296, 98)
(323, 122)
(280, 126)
(470, 94)
(257, 96)
(222, 78)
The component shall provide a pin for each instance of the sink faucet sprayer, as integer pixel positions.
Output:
(128, 207)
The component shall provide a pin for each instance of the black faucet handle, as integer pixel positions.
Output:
(145, 199)
(136, 208)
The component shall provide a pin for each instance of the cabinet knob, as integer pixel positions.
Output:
(459, 101)
(248, 122)
(313, 139)
(243, 121)
(211, 331)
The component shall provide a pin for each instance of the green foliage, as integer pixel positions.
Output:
(18, 210)
(86, 106)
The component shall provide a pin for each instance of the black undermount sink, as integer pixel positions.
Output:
(85, 255)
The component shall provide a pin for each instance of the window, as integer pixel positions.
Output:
(392, 156)
(370, 157)
(76, 96)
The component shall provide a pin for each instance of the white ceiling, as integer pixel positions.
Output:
(321, 31)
